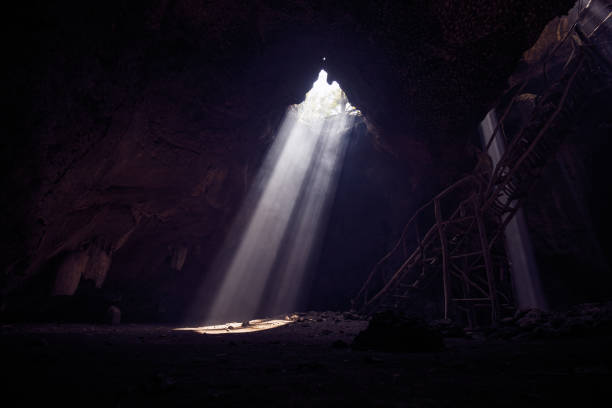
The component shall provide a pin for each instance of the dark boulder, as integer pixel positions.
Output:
(389, 331)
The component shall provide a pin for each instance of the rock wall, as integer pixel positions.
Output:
(567, 211)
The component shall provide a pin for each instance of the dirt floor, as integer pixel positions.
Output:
(305, 363)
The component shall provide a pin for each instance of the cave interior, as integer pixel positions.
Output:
(291, 203)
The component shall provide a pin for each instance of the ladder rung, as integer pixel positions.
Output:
(472, 300)
(466, 255)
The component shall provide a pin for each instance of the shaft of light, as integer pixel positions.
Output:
(284, 213)
(525, 272)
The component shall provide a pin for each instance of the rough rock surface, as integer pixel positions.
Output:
(69, 273)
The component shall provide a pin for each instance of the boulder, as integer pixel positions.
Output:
(390, 331)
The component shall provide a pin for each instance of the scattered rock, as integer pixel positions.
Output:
(447, 328)
(350, 316)
(584, 319)
(532, 318)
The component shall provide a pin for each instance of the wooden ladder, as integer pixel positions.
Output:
(463, 247)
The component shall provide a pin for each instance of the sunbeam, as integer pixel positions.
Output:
(284, 214)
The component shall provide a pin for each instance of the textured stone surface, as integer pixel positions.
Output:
(97, 266)
(69, 273)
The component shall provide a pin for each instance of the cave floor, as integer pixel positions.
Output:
(300, 364)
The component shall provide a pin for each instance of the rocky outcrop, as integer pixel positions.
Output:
(89, 264)
(98, 265)
(567, 211)
(69, 273)
(179, 254)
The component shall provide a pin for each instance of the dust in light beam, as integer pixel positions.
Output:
(265, 259)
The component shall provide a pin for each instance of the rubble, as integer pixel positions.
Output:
(580, 320)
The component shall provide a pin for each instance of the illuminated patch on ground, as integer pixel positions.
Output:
(237, 327)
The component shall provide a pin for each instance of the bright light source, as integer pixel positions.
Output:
(324, 100)
(266, 257)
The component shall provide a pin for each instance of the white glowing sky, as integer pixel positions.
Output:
(324, 100)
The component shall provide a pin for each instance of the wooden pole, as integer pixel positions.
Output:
(445, 280)
(486, 254)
